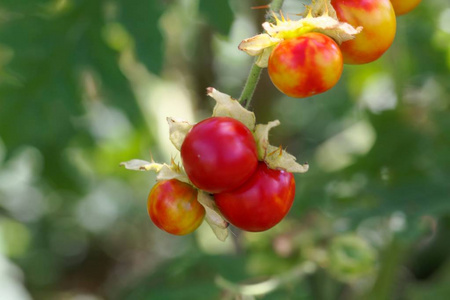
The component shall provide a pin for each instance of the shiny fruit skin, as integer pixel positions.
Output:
(173, 207)
(377, 18)
(260, 203)
(402, 7)
(306, 65)
(219, 154)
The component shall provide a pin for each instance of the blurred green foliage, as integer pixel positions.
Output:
(86, 84)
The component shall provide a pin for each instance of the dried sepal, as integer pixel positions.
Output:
(141, 165)
(338, 31)
(262, 61)
(226, 106)
(165, 171)
(319, 17)
(215, 220)
(261, 135)
(174, 171)
(285, 29)
(275, 157)
(320, 8)
(178, 129)
(256, 44)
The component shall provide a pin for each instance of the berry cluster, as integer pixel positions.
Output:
(306, 57)
(220, 157)
(230, 174)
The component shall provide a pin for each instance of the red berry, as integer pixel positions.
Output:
(219, 154)
(260, 203)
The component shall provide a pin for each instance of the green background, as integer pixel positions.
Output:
(87, 84)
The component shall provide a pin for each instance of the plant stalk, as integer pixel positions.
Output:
(255, 71)
(276, 5)
(250, 85)
(294, 275)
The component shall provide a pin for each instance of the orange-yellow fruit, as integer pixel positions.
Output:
(306, 65)
(173, 207)
(377, 18)
(402, 7)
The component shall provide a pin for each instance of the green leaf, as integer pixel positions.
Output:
(41, 97)
(141, 20)
(218, 14)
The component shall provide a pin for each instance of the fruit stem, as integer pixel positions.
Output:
(292, 276)
(255, 71)
(276, 5)
(250, 85)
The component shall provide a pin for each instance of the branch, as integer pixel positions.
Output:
(255, 72)
(269, 285)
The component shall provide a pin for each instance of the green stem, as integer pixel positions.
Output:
(255, 72)
(269, 285)
(276, 5)
(250, 85)
(384, 285)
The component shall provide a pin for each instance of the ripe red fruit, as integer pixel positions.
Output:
(261, 202)
(219, 154)
(173, 207)
(306, 65)
(377, 18)
(402, 7)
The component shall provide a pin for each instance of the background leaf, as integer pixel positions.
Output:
(218, 14)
